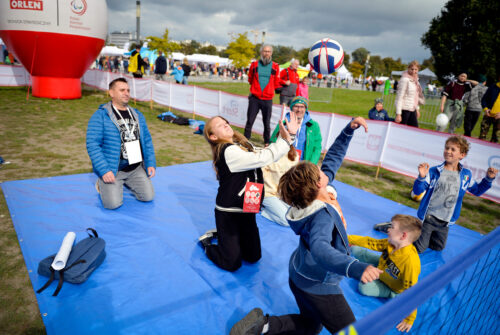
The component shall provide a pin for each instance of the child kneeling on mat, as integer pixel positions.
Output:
(237, 164)
(320, 262)
(399, 261)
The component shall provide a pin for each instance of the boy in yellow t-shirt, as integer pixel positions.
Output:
(399, 261)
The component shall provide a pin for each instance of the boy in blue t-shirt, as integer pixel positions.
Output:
(444, 186)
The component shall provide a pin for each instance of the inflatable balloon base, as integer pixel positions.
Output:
(56, 88)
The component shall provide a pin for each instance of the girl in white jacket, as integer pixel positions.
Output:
(409, 97)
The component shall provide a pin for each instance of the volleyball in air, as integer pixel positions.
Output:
(442, 120)
(326, 56)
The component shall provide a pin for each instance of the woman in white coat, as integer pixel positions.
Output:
(409, 97)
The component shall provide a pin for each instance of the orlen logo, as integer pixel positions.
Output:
(26, 4)
(79, 7)
(494, 161)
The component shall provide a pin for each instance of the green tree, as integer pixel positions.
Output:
(356, 69)
(208, 50)
(241, 50)
(303, 56)
(283, 54)
(429, 63)
(359, 55)
(377, 66)
(466, 37)
(163, 44)
(390, 64)
(347, 59)
(189, 48)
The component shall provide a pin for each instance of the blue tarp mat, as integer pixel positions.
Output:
(156, 279)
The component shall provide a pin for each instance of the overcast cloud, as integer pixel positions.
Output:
(389, 28)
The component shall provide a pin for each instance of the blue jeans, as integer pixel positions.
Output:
(375, 288)
(185, 80)
(136, 180)
(275, 210)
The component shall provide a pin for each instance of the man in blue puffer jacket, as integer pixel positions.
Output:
(121, 149)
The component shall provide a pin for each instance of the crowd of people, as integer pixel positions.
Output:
(462, 101)
(283, 181)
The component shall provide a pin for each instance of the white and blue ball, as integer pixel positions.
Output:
(326, 56)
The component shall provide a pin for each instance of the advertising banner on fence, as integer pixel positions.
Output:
(395, 147)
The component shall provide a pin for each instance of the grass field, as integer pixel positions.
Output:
(43, 138)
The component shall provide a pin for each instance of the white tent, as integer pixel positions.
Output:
(112, 51)
(343, 73)
(425, 76)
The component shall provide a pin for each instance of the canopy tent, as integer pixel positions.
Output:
(425, 76)
(343, 73)
(109, 50)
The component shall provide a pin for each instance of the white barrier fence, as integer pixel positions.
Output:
(393, 146)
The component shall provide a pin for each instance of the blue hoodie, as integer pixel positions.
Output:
(322, 258)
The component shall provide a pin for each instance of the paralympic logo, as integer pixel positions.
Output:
(79, 7)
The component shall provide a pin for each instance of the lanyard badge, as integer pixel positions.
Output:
(253, 197)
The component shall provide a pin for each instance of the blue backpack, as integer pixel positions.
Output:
(84, 258)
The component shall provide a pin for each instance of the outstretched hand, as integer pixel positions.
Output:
(492, 172)
(423, 169)
(293, 124)
(358, 122)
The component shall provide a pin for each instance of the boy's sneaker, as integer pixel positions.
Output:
(207, 238)
(251, 324)
(383, 227)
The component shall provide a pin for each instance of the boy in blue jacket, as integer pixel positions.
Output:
(444, 186)
(321, 260)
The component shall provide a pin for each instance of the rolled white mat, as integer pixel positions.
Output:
(62, 255)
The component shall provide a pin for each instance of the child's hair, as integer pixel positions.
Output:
(304, 79)
(460, 141)
(409, 224)
(298, 187)
(217, 144)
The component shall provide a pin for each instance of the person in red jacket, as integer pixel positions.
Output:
(264, 78)
(289, 81)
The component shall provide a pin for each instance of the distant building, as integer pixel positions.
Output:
(119, 38)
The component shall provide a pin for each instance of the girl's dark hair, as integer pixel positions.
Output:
(217, 145)
(298, 187)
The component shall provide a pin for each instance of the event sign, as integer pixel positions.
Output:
(55, 40)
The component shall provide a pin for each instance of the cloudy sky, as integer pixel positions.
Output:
(389, 28)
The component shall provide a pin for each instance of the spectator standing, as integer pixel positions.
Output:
(491, 105)
(136, 64)
(304, 88)
(409, 96)
(474, 108)
(452, 103)
(289, 81)
(160, 67)
(187, 70)
(263, 77)
(177, 72)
